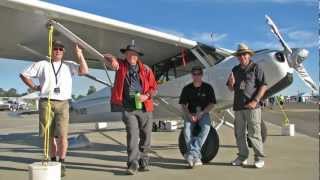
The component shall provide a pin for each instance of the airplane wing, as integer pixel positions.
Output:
(24, 33)
(24, 28)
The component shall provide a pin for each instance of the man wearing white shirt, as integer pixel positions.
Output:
(55, 82)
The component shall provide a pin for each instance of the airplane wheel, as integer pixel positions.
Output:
(209, 149)
(264, 134)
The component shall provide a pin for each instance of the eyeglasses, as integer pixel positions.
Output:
(58, 49)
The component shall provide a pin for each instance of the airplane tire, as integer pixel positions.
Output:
(264, 134)
(209, 149)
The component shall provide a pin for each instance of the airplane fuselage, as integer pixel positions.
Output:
(277, 72)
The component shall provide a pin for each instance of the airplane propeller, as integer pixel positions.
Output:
(294, 56)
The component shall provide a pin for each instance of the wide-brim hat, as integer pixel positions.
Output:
(132, 48)
(57, 43)
(243, 48)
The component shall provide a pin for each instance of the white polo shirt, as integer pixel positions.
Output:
(43, 71)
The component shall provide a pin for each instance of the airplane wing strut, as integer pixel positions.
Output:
(75, 39)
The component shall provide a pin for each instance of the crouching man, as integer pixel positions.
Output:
(196, 99)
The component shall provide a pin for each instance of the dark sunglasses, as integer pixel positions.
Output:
(58, 49)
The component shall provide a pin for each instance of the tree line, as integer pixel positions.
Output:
(12, 92)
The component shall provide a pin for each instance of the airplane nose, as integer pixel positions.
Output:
(298, 56)
(302, 55)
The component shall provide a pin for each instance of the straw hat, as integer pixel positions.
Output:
(243, 48)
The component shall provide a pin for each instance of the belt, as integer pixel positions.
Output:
(46, 99)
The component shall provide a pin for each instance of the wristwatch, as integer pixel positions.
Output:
(35, 88)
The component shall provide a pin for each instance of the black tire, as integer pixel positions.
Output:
(209, 149)
(264, 134)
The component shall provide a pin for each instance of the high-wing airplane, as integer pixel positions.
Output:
(24, 36)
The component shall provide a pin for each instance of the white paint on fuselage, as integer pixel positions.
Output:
(217, 76)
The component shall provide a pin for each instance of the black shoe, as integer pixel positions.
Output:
(54, 159)
(133, 168)
(63, 170)
(143, 165)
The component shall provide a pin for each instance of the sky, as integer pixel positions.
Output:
(230, 22)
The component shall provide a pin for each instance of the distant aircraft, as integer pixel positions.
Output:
(4, 105)
(24, 36)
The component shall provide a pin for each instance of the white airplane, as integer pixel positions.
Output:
(24, 36)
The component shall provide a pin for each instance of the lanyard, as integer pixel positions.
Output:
(56, 73)
(133, 73)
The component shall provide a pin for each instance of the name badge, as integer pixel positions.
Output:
(242, 85)
(56, 90)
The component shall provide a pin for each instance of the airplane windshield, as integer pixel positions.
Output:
(176, 66)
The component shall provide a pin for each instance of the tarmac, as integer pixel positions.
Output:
(293, 158)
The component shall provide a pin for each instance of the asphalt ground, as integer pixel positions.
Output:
(287, 157)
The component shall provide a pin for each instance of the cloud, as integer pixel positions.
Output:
(295, 39)
(208, 37)
(300, 34)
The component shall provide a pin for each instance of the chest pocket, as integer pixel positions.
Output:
(250, 83)
(250, 77)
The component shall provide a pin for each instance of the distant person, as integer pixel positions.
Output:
(134, 87)
(248, 82)
(271, 102)
(55, 81)
(197, 99)
(281, 100)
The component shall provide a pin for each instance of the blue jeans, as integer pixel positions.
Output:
(195, 143)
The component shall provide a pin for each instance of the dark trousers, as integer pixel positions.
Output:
(139, 127)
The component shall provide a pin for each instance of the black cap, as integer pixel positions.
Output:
(57, 43)
(132, 48)
(197, 68)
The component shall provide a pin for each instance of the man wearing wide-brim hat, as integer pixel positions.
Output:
(134, 87)
(248, 82)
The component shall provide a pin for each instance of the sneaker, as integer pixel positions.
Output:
(259, 163)
(63, 170)
(197, 162)
(239, 162)
(189, 160)
(132, 169)
(143, 165)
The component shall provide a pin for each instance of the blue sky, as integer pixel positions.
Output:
(231, 22)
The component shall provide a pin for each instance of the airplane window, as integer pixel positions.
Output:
(174, 67)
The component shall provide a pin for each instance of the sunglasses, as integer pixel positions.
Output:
(243, 54)
(58, 49)
(197, 74)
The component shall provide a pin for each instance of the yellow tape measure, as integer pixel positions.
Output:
(48, 116)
